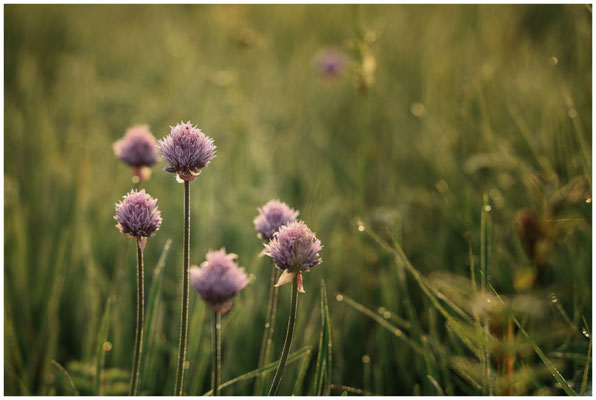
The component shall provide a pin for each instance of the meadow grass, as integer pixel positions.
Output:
(412, 168)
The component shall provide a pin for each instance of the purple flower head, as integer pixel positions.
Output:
(295, 249)
(137, 214)
(218, 280)
(273, 216)
(187, 150)
(330, 63)
(137, 147)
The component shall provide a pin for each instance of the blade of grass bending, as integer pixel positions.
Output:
(431, 293)
(101, 339)
(301, 374)
(329, 340)
(350, 389)
(265, 370)
(436, 385)
(65, 373)
(323, 368)
(587, 368)
(269, 328)
(564, 385)
(402, 259)
(391, 328)
(153, 302)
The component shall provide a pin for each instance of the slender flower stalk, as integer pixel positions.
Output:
(185, 294)
(134, 381)
(188, 151)
(295, 250)
(138, 217)
(218, 281)
(272, 216)
(216, 352)
(288, 342)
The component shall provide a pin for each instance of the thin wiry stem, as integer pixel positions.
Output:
(288, 342)
(269, 327)
(485, 251)
(216, 352)
(134, 380)
(185, 294)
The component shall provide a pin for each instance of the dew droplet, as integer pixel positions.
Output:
(553, 61)
(585, 332)
(397, 332)
(186, 365)
(365, 359)
(588, 201)
(339, 297)
(381, 310)
(572, 113)
(361, 228)
(487, 208)
(442, 186)
(107, 346)
(417, 109)
(386, 315)
(266, 324)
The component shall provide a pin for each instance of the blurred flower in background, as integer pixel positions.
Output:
(219, 279)
(137, 149)
(331, 63)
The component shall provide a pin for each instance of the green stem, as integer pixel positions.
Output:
(216, 352)
(288, 342)
(134, 380)
(185, 290)
(269, 327)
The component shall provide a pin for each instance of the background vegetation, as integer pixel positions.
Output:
(460, 134)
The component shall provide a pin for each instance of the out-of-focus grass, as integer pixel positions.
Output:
(442, 105)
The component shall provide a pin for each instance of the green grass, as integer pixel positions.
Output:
(389, 164)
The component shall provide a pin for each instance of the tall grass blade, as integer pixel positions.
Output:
(391, 328)
(323, 369)
(432, 380)
(265, 370)
(102, 337)
(587, 368)
(345, 389)
(301, 374)
(564, 385)
(428, 290)
(66, 375)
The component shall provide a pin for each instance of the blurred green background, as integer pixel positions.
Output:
(439, 107)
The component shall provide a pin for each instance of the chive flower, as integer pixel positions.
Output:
(273, 216)
(294, 249)
(219, 280)
(137, 149)
(137, 214)
(330, 63)
(138, 217)
(187, 150)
